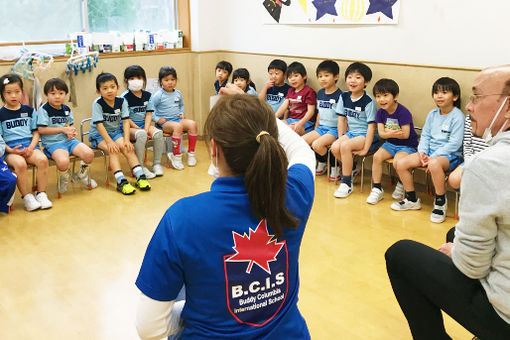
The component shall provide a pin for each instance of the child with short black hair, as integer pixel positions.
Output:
(356, 109)
(223, 71)
(275, 90)
(300, 101)
(241, 83)
(18, 128)
(107, 134)
(395, 124)
(140, 117)
(169, 117)
(55, 124)
(439, 150)
(327, 98)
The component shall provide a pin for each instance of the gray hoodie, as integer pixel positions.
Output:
(482, 236)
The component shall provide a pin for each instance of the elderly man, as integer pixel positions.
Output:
(468, 279)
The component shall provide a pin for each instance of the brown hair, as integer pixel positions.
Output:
(234, 123)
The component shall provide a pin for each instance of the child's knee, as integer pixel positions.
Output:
(88, 156)
(435, 165)
(62, 163)
(158, 134)
(41, 162)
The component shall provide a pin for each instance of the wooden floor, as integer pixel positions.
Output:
(69, 272)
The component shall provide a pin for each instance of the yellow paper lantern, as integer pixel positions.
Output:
(353, 10)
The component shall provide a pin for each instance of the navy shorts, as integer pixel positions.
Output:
(172, 119)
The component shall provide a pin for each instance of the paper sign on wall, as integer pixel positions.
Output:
(332, 11)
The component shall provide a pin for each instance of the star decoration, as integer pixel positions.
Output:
(324, 7)
(383, 6)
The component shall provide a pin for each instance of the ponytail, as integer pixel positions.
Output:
(245, 129)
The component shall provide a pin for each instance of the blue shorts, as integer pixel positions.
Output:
(139, 123)
(323, 129)
(393, 149)
(454, 161)
(352, 135)
(171, 119)
(25, 143)
(308, 125)
(96, 139)
(68, 145)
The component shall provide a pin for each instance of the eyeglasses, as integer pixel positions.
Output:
(474, 97)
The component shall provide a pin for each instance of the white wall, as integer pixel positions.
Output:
(459, 33)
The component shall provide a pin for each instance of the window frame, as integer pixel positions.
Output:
(182, 19)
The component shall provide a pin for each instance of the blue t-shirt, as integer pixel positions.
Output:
(442, 134)
(48, 116)
(250, 90)
(240, 282)
(138, 107)
(110, 116)
(167, 104)
(326, 104)
(275, 96)
(359, 113)
(395, 121)
(17, 124)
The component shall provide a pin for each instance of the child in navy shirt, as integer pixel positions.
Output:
(18, 128)
(327, 98)
(439, 150)
(395, 124)
(356, 109)
(169, 117)
(140, 118)
(298, 109)
(275, 90)
(109, 132)
(223, 71)
(55, 123)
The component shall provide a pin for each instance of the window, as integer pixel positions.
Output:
(56, 19)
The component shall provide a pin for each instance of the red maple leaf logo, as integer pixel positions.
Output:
(259, 248)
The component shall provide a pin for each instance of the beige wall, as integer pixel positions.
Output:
(196, 76)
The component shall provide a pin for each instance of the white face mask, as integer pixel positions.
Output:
(487, 134)
(213, 168)
(135, 84)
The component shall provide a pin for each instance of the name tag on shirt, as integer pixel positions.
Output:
(117, 111)
(299, 98)
(145, 103)
(177, 99)
(280, 94)
(23, 114)
(332, 101)
(66, 113)
(358, 108)
(445, 129)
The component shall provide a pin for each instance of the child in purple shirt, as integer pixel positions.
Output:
(395, 124)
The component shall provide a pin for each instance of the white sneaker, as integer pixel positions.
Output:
(42, 198)
(375, 196)
(334, 175)
(31, 203)
(399, 192)
(321, 169)
(192, 161)
(438, 215)
(63, 181)
(176, 161)
(148, 174)
(405, 204)
(343, 191)
(158, 170)
(84, 180)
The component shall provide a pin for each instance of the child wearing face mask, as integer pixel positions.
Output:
(140, 116)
